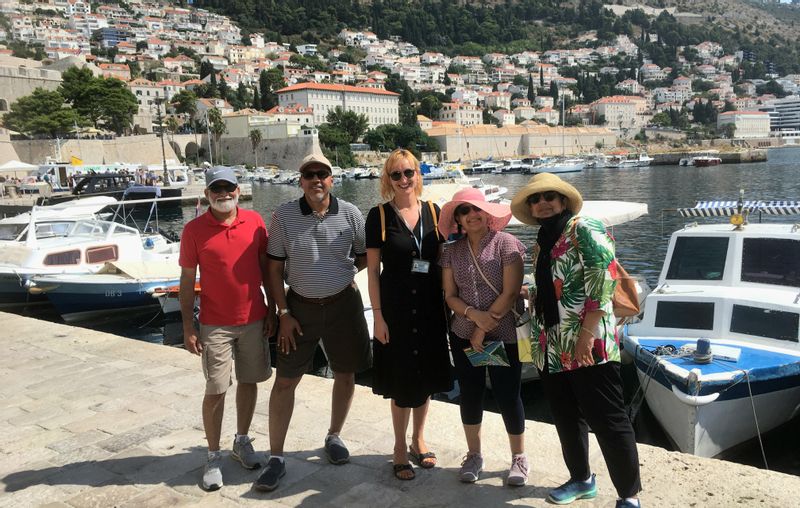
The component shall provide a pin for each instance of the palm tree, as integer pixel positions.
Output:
(172, 126)
(255, 139)
(217, 128)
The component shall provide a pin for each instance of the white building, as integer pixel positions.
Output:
(460, 113)
(380, 106)
(748, 124)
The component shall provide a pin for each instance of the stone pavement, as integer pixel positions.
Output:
(92, 419)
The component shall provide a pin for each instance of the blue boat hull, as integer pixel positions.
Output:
(76, 302)
(720, 404)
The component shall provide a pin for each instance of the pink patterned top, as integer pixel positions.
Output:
(497, 249)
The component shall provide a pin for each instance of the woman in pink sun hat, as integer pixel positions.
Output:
(482, 276)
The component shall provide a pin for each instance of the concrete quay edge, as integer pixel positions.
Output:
(93, 419)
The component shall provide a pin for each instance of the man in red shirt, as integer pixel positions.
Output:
(229, 245)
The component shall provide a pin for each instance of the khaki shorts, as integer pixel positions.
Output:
(341, 327)
(244, 345)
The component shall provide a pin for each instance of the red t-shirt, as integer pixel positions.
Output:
(230, 273)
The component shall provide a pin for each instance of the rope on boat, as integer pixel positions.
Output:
(671, 351)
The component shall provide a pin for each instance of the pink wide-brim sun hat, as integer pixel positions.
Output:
(500, 214)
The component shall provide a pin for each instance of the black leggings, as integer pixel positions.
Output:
(506, 383)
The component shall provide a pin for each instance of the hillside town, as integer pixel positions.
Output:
(497, 104)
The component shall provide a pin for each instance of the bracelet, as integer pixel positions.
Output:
(591, 333)
(466, 309)
(375, 308)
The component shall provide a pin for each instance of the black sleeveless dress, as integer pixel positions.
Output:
(415, 363)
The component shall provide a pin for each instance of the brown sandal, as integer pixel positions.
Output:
(399, 469)
(425, 460)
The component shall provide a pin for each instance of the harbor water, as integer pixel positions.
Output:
(641, 247)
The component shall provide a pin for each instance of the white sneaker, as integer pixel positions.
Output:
(212, 474)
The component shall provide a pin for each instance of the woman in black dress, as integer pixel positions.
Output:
(411, 360)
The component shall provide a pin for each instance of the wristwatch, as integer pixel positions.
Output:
(282, 312)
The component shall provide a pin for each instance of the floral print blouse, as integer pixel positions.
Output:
(584, 276)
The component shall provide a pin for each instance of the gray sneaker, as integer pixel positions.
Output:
(471, 468)
(518, 474)
(212, 474)
(269, 478)
(243, 452)
(336, 450)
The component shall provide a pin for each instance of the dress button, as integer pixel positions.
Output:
(415, 352)
(413, 330)
(414, 253)
(413, 311)
(413, 291)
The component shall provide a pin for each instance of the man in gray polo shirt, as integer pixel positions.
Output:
(316, 244)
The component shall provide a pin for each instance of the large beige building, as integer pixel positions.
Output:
(748, 124)
(461, 113)
(380, 106)
(480, 141)
(621, 112)
(272, 124)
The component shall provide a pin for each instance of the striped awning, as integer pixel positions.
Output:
(728, 208)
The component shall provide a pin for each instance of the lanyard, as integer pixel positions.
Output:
(417, 241)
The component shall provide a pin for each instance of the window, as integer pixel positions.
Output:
(771, 261)
(101, 254)
(773, 324)
(698, 258)
(70, 257)
(691, 315)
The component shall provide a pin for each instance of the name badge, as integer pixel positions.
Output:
(420, 266)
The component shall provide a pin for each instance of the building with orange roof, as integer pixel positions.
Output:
(380, 106)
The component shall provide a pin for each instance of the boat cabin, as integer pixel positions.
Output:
(719, 281)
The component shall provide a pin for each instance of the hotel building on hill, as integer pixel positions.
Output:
(380, 106)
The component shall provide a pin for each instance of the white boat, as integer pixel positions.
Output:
(67, 238)
(483, 167)
(735, 289)
(561, 166)
(513, 166)
(119, 286)
(706, 160)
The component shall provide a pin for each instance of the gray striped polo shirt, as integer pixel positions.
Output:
(319, 252)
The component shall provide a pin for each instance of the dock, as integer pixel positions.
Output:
(93, 419)
(21, 203)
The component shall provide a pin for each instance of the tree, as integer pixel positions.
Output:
(42, 113)
(105, 102)
(256, 100)
(185, 102)
(349, 122)
(269, 82)
(728, 130)
(255, 140)
(217, 128)
(531, 89)
(430, 106)
(172, 125)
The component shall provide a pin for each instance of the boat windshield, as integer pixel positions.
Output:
(698, 258)
(771, 261)
(10, 232)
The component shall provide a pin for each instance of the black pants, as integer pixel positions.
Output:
(593, 395)
(506, 382)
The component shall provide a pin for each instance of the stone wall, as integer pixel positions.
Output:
(285, 153)
(144, 149)
(16, 82)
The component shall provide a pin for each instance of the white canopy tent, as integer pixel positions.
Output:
(16, 169)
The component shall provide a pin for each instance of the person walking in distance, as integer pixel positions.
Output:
(229, 245)
(317, 245)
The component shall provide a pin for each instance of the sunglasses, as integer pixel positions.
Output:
(397, 175)
(465, 209)
(550, 195)
(224, 187)
(321, 174)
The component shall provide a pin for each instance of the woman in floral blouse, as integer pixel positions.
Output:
(578, 348)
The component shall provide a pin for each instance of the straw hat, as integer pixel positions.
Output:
(544, 182)
(501, 214)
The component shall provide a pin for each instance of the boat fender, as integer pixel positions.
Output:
(694, 400)
(702, 354)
